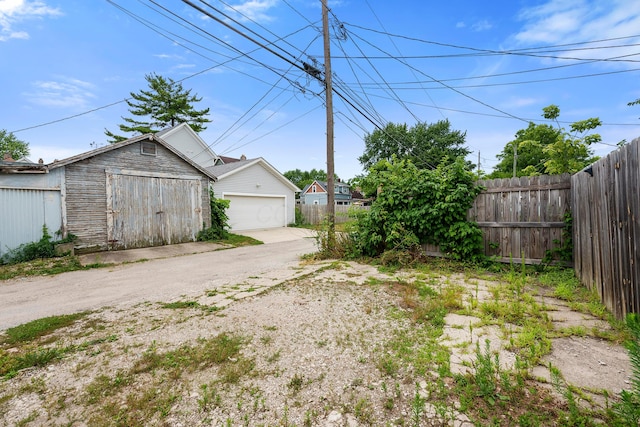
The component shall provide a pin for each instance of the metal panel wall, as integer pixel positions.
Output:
(23, 212)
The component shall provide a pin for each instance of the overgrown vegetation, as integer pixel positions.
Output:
(43, 248)
(219, 229)
(416, 206)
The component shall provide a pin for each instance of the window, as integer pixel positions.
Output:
(148, 149)
(313, 188)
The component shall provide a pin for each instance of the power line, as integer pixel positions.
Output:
(523, 51)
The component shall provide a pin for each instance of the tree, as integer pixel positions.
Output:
(529, 145)
(547, 149)
(304, 178)
(570, 152)
(11, 145)
(165, 104)
(426, 145)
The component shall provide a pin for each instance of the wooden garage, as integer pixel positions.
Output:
(136, 193)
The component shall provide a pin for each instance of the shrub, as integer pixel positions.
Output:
(416, 206)
(219, 220)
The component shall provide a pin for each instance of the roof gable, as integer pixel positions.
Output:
(130, 141)
(185, 139)
(228, 169)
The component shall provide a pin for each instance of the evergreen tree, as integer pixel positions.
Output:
(165, 104)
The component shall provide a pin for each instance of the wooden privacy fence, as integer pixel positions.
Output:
(606, 212)
(315, 214)
(522, 218)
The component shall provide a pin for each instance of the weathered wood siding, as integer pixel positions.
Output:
(522, 218)
(606, 212)
(86, 193)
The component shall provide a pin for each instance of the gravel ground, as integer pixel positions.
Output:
(315, 350)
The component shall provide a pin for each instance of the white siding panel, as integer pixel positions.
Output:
(257, 181)
(23, 212)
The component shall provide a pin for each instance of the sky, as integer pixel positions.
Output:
(67, 67)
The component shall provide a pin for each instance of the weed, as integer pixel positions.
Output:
(629, 407)
(209, 397)
(417, 407)
(364, 412)
(296, 383)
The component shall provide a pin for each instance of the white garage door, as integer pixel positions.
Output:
(254, 212)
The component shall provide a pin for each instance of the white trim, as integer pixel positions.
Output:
(283, 196)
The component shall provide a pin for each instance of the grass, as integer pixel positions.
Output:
(237, 240)
(45, 267)
(37, 328)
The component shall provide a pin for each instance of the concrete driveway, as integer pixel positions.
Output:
(163, 279)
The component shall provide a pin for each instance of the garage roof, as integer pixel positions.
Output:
(223, 171)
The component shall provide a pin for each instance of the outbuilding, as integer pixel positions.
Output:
(260, 196)
(136, 193)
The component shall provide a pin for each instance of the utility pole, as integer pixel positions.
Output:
(478, 164)
(328, 91)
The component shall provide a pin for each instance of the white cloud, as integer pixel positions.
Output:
(566, 21)
(14, 12)
(66, 92)
(570, 21)
(460, 24)
(483, 25)
(255, 10)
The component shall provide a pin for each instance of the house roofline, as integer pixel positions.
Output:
(130, 141)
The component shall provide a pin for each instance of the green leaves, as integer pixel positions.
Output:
(426, 145)
(11, 145)
(416, 206)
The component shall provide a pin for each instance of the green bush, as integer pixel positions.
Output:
(416, 206)
(219, 220)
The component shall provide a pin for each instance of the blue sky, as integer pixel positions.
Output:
(488, 67)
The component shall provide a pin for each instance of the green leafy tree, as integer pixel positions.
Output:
(546, 149)
(11, 145)
(303, 178)
(166, 103)
(426, 145)
(571, 151)
(529, 145)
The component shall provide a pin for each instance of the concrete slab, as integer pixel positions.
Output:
(155, 252)
(267, 236)
(276, 235)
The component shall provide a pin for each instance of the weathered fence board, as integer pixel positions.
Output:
(522, 218)
(315, 214)
(606, 211)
